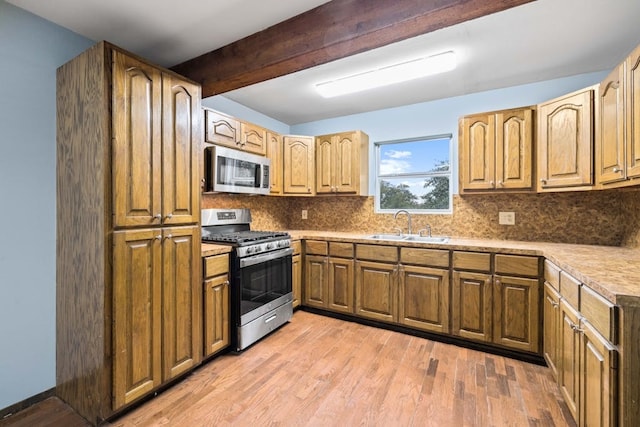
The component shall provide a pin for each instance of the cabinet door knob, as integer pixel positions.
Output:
(542, 180)
(491, 183)
(159, 237)
(169, 236)
(616, 170)
(500, 183)
(169, 216)
(157, 216)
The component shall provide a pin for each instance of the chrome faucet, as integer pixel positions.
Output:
(395, 216)
(427, 229)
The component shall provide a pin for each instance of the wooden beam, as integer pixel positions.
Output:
(334, 30)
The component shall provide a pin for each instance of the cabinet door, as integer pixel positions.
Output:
(181, 151)
(137, 137)
(346, 173)
(299, 170)
(598, 379)
(324, 164)
(296, 279)
(477, 153)
(216, 314)
(222, 129)
(610, 143)
(632, 113)
(565, 142)
(274, 152)
(471, 305)
(551, 304)
(137, 315)
(514, 149)
(182, 300)
(315, 281)
(376, 291)
(423, 301)
(516, 316)
(569, 367)
(253, 139)
(340, 291)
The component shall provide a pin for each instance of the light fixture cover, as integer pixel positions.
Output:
(391, 74)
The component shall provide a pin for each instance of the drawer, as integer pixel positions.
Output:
(570, 289)
(341, 249)
(296, 245)
(476, 261)
(552, 274)
(430, 257)
(377, 253)
(216, 265)
(517, 264)
(601, 313)
(315, 247)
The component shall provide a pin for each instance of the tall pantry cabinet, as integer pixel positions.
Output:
(129, 297)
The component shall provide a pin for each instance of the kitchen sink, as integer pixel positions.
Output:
(386, 237)
(409, 238)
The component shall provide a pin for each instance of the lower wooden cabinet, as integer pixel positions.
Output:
(471, 305)
(296, 280)
(424, 298)
(551, 329)
(569, 373)
(516, 315)
(157, 299)
(315, 281)
(216, 304)
(377, 290)
(340, 285)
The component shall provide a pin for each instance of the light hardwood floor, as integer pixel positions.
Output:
(320, 371)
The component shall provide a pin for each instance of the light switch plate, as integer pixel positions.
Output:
(507, 218)
(304, 214)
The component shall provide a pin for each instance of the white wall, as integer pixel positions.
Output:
(30, 51)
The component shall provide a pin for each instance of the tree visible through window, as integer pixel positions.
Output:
(414, 175)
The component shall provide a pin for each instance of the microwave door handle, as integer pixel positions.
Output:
(257, 176)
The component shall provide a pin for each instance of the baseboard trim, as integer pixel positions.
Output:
(24, 404)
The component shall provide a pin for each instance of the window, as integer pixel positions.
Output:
(414, 175)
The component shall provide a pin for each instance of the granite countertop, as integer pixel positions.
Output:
(611, 271)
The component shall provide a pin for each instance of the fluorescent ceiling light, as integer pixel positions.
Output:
(389, 75)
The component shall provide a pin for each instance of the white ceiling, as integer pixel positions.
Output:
(537, 41)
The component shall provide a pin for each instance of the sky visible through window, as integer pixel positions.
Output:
(420, 156)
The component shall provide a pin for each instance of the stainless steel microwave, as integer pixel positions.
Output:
(233, 171)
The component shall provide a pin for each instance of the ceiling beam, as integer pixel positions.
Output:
(334, 30)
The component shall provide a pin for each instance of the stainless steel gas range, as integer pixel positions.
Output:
(260, 270)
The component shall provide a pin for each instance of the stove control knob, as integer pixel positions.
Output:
(269, 246)
(249, 249)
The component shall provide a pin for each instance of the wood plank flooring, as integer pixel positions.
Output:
(320, 371)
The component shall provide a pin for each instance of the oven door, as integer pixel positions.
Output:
(261, 284)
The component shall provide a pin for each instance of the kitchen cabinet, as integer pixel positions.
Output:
(424, 289)
(618, 136)
(296, 273)
(216, 304)
(565, 142)
(586, 357)
(228, 131)
(377, 282)
(610, 141)
(551, 317)
(329, 279)
(342, 163)
(497, 306)
(129, 293)
(298, 165)
(497, 151)
(274, 153)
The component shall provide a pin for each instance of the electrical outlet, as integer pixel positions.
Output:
(507, 218)
(304, 214)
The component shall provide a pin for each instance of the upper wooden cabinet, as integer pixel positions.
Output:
(342, 163)
(618, 133)
(497, 151)
(298, 165)
(275, 154)
(565, 142)
(225, 130)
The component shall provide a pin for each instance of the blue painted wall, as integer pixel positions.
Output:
(30, 51)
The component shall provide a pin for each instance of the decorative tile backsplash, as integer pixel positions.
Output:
(593, 217)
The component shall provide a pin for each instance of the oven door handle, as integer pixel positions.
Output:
(257, 259)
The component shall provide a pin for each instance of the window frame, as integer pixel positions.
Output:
(377, 177)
